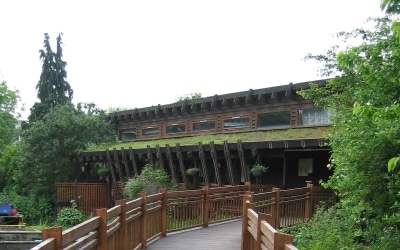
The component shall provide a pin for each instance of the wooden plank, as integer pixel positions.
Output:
(133, 160)
(203, 164)
(242, 161)
(171, 163)
(110, 166)
(181, 165)
(150, 155)
(118, 165)
(215, 161)
(126, 163)
(159, 156)
(228, 162)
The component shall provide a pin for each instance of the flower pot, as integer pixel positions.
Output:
(257, 173)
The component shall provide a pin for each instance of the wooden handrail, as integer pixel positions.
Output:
(132, 224)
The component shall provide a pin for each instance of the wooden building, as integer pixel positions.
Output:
(291, 161)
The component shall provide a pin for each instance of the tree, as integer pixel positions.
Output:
(8, 105)
(365, 100)
(188, 97)
(48, 144)
(53, 89)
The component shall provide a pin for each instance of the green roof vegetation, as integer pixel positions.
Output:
(290, 134)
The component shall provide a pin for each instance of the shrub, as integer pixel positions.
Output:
(70, 216)
(150, 181)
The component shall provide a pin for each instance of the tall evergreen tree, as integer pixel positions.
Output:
(53, 89)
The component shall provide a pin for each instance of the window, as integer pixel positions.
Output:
(274, 120)
(151, 131)
(175, 129)
(203, 126)
(237, 122)
(310, 117)
(128, 135)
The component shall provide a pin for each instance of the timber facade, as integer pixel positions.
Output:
(291, 162)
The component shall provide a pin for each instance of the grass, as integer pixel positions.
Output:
(258, 136)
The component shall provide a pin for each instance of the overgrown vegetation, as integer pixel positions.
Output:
(151, 179)
(70, 216)
(365, 137)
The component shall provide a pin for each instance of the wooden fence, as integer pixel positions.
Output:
(258, 232)
(133, 224)
(88, 196)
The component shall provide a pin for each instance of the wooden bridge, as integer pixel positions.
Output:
(221, 236)
(154, 221)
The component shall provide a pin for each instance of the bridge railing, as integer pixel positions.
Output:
(133, 224)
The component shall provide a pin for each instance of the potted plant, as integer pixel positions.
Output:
(258, 170)
(192, 171)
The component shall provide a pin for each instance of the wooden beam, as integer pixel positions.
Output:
(159, 156)
(226, 102)
(214, 102)
(203, 164)
(216, 165)
(262, 98)
(118, 165)
(150, 155)
(126, 163)
(171, 163)
(237, 101)
(184, 107)
(205, 106)
(249, 97)
(181, 165)
(133, 160)
(242, 161)
(110, 166)
(228, 162)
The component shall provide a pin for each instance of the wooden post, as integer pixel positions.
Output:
(206, 206)
(214, 157)
(181, 165)
(245, 225)
(133, 160)
(126, 164)
(164, 211)
(171, 164)
(243, 161)
(102, 213)
(261, 217)
(143, 221)
(248, 185)
(54, 232)
(309, 202)
(203, 163)
(122, 231)
(277, 212)
(229, 163)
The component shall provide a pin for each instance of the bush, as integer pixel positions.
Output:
(150, 181)
(70, 216)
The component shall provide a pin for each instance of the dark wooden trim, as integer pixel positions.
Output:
(118, 165)
(228, 162)
(110, 164)
(243, 161)
(133, 160)
(203, 164)
(181, 165)
(126, 163)
(171, 164)
(159, 156)
(216, 165)
(150, 155)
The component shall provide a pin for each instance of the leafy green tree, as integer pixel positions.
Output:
(8, 117)
(53, 89)
(364, 96)
(188, 97)
(48, 144)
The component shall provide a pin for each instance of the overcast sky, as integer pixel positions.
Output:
(142, 53)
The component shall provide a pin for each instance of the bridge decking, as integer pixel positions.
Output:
(221, 236)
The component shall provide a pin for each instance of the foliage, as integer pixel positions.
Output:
(8, 104)
(188, 97)
(364, 141)
(258, 169)
(70, 216)
(33, 206)
(8, 167)
(53, 89)
(192, 171)
(49, 143)
(150, 181)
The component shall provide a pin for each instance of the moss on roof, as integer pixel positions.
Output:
(258, 136)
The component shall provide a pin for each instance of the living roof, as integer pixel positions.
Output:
(256, 136)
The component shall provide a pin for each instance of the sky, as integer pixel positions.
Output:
(135, 54)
